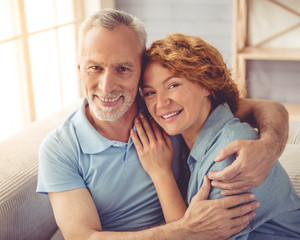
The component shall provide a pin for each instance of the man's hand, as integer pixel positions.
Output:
(253, 162)
(254, 158)
(219, 218)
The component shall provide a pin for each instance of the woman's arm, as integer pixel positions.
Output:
(155, 152)
(255, 158)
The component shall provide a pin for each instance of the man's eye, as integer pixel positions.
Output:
(95, 68)
(123, 69)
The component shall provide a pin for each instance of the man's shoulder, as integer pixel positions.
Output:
(61, 138)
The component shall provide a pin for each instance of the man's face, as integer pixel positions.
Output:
(110, 68)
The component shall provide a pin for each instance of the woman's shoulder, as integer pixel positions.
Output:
(234, 129)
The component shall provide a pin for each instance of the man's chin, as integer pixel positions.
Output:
(111, 116)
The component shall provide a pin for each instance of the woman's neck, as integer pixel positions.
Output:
(191, 135)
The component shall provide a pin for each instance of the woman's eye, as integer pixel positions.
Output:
(146, 94)
(173, 85)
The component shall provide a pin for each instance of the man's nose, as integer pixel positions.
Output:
(107, 82)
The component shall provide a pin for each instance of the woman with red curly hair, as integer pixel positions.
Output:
(188, 90)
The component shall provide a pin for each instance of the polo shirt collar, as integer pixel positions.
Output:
(213, 124)
(91, 142)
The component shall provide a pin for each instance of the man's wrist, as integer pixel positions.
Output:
(273, 142)
(175, 230)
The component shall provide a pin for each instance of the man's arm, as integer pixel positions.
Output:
(254, 158)
(77, 217)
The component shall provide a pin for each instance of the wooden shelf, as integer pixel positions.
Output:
(242, 51)
(283, 54)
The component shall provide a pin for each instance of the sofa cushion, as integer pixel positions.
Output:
(290, 160)
(294, 132)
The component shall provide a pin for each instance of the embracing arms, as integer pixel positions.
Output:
(77, 217)
(255, 158)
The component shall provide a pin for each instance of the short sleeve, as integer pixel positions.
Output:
(58, 166)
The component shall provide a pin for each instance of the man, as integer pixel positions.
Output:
(89, 166)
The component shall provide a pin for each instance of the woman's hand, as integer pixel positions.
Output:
(254, 160)
(156, 154)
(154, 148)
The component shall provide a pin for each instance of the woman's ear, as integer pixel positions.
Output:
(206, 93)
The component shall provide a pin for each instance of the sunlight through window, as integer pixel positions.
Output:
(37, 60)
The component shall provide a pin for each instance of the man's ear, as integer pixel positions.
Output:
(78, 71)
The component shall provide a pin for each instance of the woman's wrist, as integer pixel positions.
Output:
(162, 175)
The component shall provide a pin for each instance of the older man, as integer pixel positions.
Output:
(89, 166)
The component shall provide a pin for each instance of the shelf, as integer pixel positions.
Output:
(243, 11)
(284, 54)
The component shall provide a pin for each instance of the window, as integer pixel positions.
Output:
(37, 59)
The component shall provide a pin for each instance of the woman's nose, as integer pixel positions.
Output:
(163, 100)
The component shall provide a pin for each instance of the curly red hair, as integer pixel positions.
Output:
(197, 61)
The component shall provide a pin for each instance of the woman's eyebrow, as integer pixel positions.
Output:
(164, 81)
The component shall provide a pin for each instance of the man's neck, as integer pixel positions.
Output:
(118, 130)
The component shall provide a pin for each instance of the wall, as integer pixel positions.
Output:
(211, 20)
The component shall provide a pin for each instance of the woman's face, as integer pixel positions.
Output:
(179, 106)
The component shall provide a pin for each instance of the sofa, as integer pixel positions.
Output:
(24, 214)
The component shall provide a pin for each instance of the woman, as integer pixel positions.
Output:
(188, 90)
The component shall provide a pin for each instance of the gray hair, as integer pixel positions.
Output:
(109, 19)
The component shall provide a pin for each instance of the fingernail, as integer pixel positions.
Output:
(213, 183)
(217, 158)
(136, 120)
(141, 115)
(251, 196)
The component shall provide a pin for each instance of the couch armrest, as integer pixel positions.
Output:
(24, 214)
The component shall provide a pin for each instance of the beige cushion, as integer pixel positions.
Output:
(294, 132)
(290, 160)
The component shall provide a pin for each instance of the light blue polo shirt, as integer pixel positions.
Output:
(76, 156)
(278, 217)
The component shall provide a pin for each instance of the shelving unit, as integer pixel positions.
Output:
(242, 51)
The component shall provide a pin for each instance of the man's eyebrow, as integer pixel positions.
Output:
(120, 64)
(92, 62)
(164, 81)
